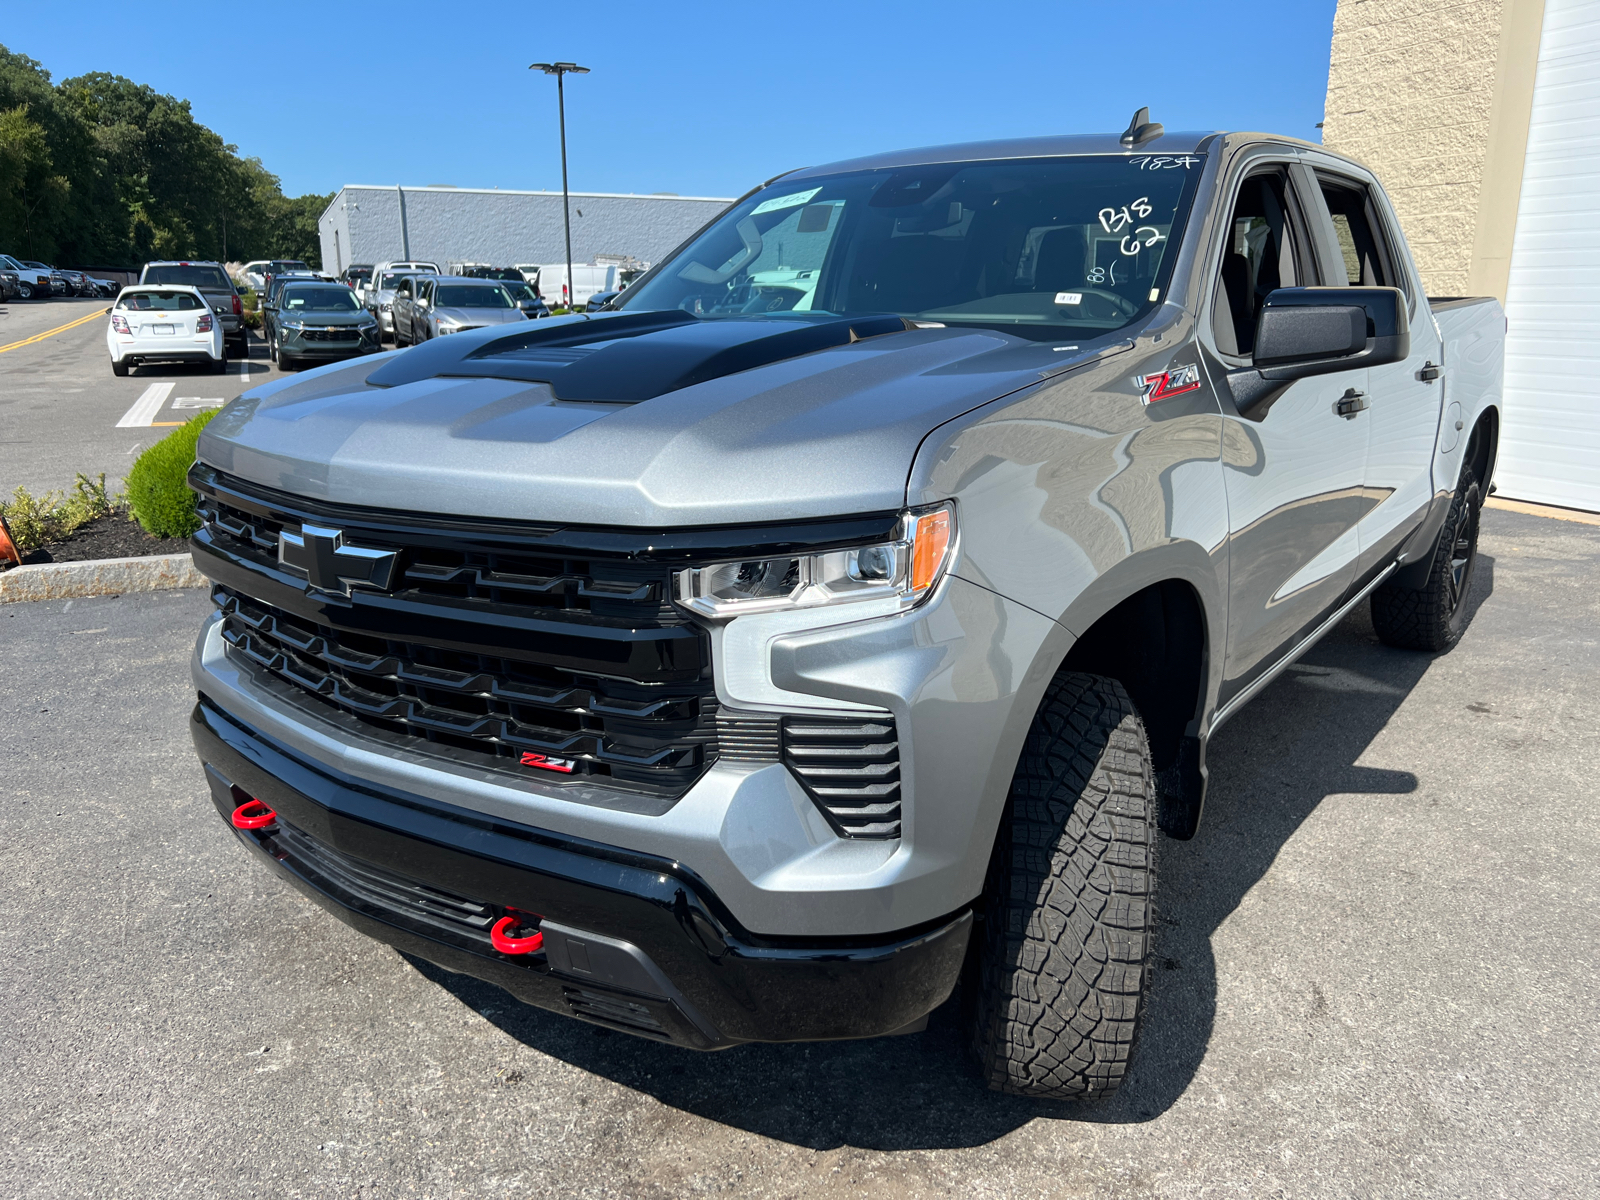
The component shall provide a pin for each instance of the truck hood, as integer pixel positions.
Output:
(628, 419)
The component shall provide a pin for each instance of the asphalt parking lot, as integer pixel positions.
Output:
(62, 410)
(1376, 968)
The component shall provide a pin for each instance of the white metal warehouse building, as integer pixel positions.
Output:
(373, 224)
(1482, 118)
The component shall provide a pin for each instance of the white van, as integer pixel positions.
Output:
(587, 279)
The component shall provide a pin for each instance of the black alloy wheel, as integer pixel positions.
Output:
(1433, 617)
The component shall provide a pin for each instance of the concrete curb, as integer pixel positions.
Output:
(98, 577)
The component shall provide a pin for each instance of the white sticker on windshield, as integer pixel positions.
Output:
(778, 202)
(1069, 297)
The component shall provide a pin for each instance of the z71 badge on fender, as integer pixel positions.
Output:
(1168, 383)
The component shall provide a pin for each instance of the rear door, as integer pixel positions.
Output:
(1405, 397)
(1294, 472)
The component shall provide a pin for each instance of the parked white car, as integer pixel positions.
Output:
(165, 324)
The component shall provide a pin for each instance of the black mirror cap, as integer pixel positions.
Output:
(1317, 331)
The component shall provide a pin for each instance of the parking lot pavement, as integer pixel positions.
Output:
(1376, 971)
(63, 411)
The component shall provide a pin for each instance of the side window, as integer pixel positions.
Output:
(403, 288)
(1366, 258)
(1264, 252)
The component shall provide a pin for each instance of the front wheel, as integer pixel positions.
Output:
(1434, 616)
(25, 291)
(1063, 953)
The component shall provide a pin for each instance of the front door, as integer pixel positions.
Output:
(1294, 473)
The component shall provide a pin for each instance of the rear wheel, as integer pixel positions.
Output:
(1433, 617)
(119, 366)
(1063, 953)
(220, 366)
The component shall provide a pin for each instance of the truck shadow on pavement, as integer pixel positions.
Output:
(1270, 769)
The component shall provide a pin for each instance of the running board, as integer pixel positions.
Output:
(1250, 693)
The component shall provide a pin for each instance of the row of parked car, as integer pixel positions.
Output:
(24, 279)
(193, 310)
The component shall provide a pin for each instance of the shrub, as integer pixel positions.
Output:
(35, 521)
(158, 490)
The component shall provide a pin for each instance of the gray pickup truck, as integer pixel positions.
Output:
(841, 618)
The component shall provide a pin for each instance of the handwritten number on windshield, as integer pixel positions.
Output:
(1163, 162)
(1145, 235)
(1115, 220)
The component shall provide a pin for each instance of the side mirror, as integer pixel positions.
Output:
(1318, 331)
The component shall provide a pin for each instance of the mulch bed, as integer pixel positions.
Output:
(104, 537)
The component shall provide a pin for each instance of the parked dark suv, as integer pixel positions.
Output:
(218, 290)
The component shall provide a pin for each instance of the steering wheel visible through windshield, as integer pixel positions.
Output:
(1041, 247)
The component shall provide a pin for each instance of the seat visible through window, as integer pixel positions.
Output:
(1259, 259)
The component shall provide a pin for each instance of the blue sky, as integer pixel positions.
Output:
(700, 99)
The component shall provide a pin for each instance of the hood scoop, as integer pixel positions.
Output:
(625, 358)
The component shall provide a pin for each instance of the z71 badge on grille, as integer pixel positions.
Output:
(1168, 383)
(329, 565)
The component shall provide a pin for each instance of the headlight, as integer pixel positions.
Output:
(290, 326)
(386, 306)
(908, 567)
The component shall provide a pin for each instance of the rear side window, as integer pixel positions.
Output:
(1367, 262)
(159, 302)
(189, 276)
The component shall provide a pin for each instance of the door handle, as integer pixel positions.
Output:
(1429, 372)
(1349, 404)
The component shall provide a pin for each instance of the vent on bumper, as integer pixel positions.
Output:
(851, 768)
(365, 886)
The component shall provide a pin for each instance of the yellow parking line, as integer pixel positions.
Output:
(39, 337)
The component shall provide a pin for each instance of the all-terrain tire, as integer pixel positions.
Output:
(1433, 617)
(1064, 948)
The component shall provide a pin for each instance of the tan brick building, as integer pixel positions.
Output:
(1482, 118)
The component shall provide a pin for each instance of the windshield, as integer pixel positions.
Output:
(519, 291)
(330, 298)
(159, 301)
(190, 276)
(466, 295)
(1042, 247)
(389, 278)
(280, 265)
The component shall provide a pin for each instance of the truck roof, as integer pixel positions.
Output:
(1187, 142)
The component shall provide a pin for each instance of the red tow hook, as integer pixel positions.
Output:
(506, 944)
(253, 814)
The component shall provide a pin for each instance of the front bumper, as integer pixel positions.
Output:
(292, 341)
(632, 942)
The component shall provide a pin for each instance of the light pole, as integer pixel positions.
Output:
(560, 70)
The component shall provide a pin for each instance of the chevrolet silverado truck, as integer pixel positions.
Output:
(844, 616)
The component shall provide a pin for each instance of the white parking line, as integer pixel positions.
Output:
(145, 408)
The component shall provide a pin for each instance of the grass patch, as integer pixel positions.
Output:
(35, 521)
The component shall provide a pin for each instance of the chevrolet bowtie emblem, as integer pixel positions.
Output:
(320, 554)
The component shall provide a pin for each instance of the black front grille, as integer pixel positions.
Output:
(447, 570)
(510, 713)
(331, 335)
(851, 767)
(377, 889)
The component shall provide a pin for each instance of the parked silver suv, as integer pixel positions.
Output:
(843, 617)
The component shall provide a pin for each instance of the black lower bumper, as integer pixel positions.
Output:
(632, 942)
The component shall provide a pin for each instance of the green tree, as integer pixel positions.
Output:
(102, 170)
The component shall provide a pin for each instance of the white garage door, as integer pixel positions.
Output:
(1550, 447)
